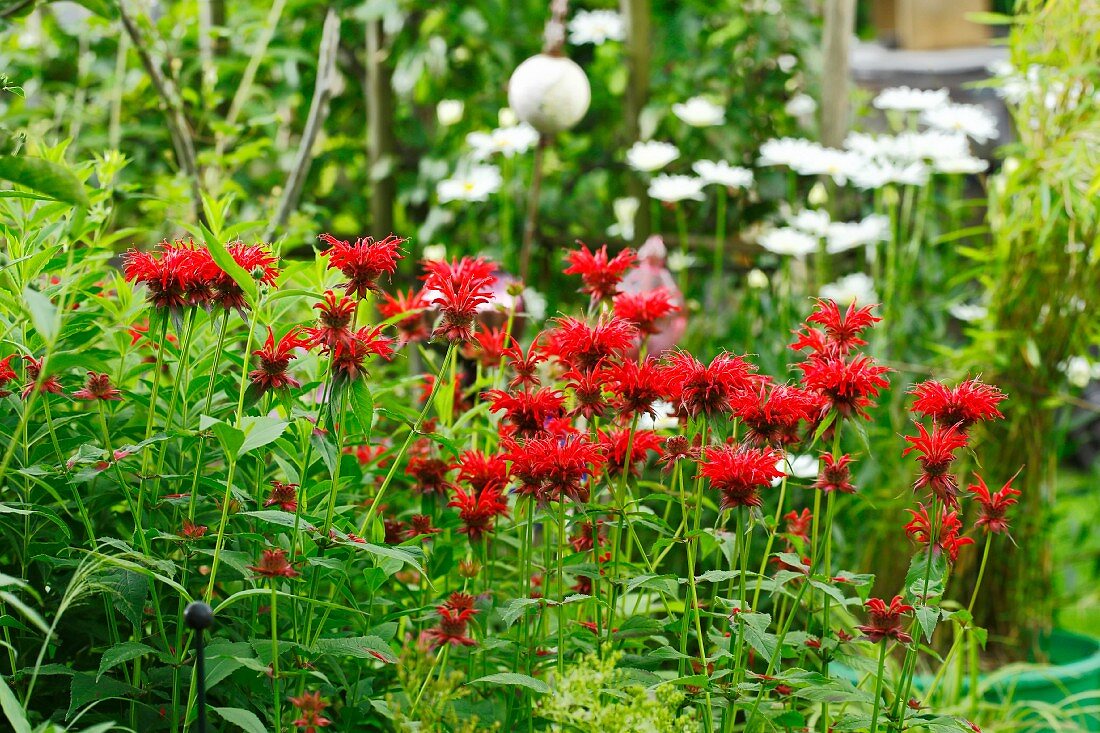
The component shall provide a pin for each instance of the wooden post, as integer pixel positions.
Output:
(381, 142)
(637, 16)
(839, 24)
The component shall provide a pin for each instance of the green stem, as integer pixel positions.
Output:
(414, 431)
(276, 698)
(878, 685)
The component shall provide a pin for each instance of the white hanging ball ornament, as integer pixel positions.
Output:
(550, 93)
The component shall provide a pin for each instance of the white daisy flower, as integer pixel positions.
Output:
(651, 155)
(967, 164)
(811, 221)
(905, 99)
(596, 27)
(625, 209)
(840, 165)
(722, 173)
(788, 241)
(665, 418)
(854, 288)
(843, 236)
(800, 105)
(699, 112)
(449, 111)
(968, 312)
(972, 120)
(786, 151)
(671, 189)
(477, 183)
(508, 141)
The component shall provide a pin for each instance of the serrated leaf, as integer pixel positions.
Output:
(922, 572)
(515, 679)
(121, 653)
(230, 438)
(274, 516)
(45, 177)
(86, 688)
(927, 617)
(131, 589)
(360, 647)
(244, 719)
(511, 611)
(362, 405)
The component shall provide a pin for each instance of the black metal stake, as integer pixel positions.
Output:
(199, 616)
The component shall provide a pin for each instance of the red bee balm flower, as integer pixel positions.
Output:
(181, 276)
(835, 475)
(275, 357)
(478, 510)
(885, 621)
(798, 525)
(773, 413)
(705, 390)
(849, 386)
(411, 327)
(284, 495)
(843, 330)
(97, 387)
(256, 260)
(452, 629)
(364, 262)
(523, 364)
(615, 445)
(949, 541)
(635, 387)
(551, 468)
(962, 405)
(644, 310)
(994, 506)
(430, 473)
(582, 346)
(49, 385)
(458, 289)
(526, 413)
(487, 347)
(739, 472)
(273, 564)
(937, 451)
(601, 275)
(347, 361)
(481, 471)
(333, 327)
(7, 374)
(310, 705)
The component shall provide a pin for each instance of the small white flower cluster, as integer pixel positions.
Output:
(1079, 371)
(809, 226)
(475, 180)
(653, 155)
(596, 27)
(908, 158)
(854, 288)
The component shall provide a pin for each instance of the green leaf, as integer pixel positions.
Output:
(927, 617)
(102, 8)
(43, 314)
(360, 647)
(925, 574)
(755, 628)
(275, 516)
(230, 438)
(131, 589)
(13, 711)
(243, 719)
(512, 678)
(513, 609)
(362, 404)
(45, 177)
(29, 613)
(259, 431)
(86, 688)
(121, 653)
(224, 260)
